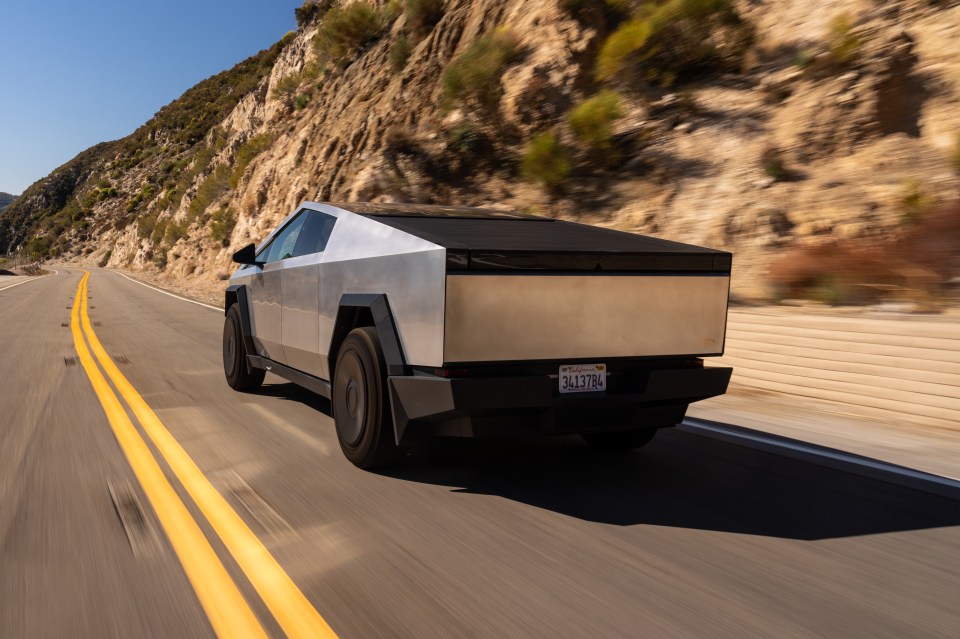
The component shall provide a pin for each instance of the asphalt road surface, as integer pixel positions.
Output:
(108, 527)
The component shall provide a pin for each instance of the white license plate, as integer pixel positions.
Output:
(583, 378)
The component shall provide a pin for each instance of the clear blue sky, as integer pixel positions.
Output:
(73, 74)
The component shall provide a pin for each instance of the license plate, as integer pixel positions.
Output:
(583, 378)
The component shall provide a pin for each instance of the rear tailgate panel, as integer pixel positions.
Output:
(549, 316)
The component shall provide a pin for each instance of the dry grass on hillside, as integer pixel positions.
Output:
(915, 264)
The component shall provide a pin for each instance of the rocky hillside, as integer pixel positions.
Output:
(765, 127)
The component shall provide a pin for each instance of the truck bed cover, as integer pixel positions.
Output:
(490, 239)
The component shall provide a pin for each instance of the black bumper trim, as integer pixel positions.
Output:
(532, 404)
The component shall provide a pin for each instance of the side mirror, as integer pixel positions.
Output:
(247, 255)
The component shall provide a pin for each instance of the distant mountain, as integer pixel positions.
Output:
(5, 199)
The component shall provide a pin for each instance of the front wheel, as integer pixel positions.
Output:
(361, 409)
(620, 440)
(239, 377)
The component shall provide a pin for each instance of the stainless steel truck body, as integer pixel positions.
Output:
(424, 320)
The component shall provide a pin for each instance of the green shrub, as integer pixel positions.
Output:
(313, 70)
(174, 232)
(473, 78)
(466, 138)
(311, 10)
(844, 43)
(99, 193)
(546, 161)
(592, 122)
(247, 152)
(201, 160)
(105, 259)
(400, 53)
(586, 9)
(673, 38)
(159, 230)
(914, 200)
(209, 190)
(349, 28)
(145, 225)
(301, 101)
(423, 15)
(804, 58)
(773, 163)
(222, 224)
(38, 248)
(146, 192)
(285, 87)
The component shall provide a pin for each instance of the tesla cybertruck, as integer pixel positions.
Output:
(418, 321)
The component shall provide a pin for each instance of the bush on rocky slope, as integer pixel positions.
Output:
(591, 122)
(546, 161)
(400, 53)
(422, 15)
(844, 42)
(473, 78)
(222, 224)
(311, 10)
(667, 40)
(347, 29)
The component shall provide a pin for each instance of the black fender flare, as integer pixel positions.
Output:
(351, 305)
(237, 294)
(376, 303)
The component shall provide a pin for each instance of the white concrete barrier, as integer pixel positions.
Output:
(902, 368)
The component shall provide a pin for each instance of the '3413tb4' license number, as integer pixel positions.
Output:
(583, 378)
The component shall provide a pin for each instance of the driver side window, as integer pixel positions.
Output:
(283, 244)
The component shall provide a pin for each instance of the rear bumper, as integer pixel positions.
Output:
(527, 405)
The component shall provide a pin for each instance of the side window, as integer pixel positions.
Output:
(316, 231)
(283, 244)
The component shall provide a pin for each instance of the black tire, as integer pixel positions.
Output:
(620, 440)
(361, 407)
(235, 355)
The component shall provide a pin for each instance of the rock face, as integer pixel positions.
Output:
(844, 116)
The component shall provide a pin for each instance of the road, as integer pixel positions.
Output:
(689, 537)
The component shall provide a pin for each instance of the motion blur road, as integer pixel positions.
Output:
(534, 538)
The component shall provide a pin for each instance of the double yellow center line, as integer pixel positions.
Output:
(228, 611)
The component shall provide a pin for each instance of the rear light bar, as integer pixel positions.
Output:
(450, 372)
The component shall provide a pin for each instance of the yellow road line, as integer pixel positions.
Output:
(293, 611)
(229, 613)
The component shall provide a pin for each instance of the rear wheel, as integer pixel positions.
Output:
(360, 404)
(239, 377)
(620, 440)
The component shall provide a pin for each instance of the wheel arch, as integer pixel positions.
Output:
(367, 309)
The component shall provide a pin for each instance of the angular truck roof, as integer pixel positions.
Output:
(492, 239)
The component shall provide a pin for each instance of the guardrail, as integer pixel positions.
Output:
(11, 262)
(900, 368)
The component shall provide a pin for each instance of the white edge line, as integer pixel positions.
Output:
(946, 482)
(160, 290)
(32, 279)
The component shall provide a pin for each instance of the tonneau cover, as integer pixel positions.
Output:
(486, 239)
